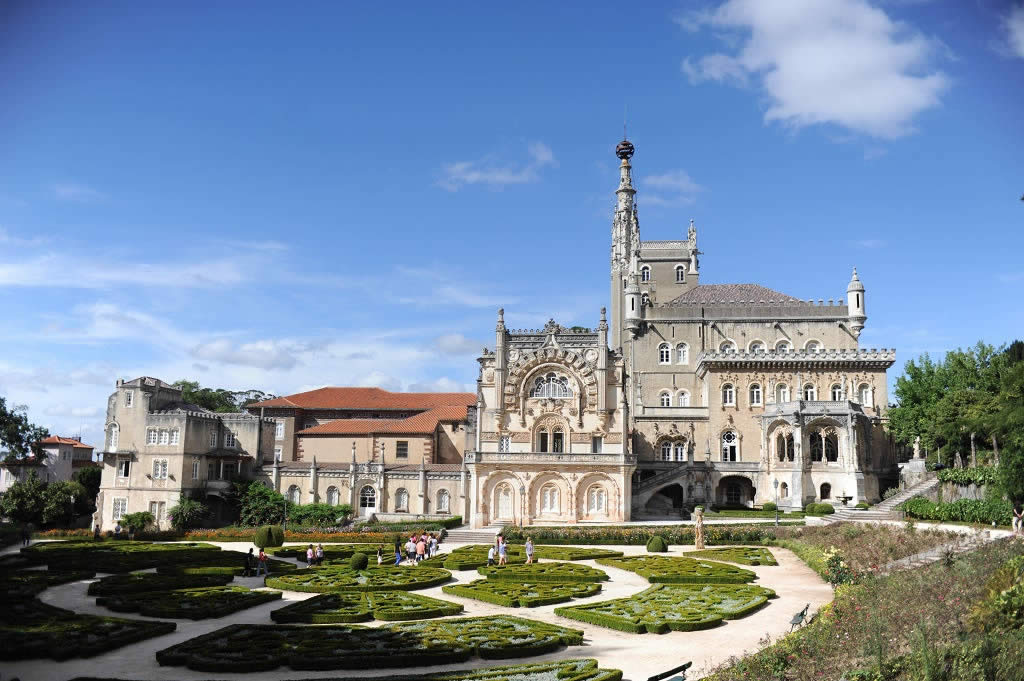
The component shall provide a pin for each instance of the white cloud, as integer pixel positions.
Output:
(264, 354)
(457, 344)
(63, 271)
(1014, 25)
(73, 191)
(841, 62)
(441, 385)
(456, 175)
(674, 186)
(11, 240)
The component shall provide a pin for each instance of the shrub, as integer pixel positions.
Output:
(746, 555)
(983, 475)
(863, 505)
(665, 570)
(137, 522)
(769, 506)
(545, 572)
(336, 578)
(268, 535)
(194, 604)
(358, 561)
(819, 509)
(345, 608)
(837, 572)
(186, 514)
(22, 584)
(475, 555)
(890, 493)
(261, 506)
(114, 556)
(140, 582)
(656, 544)
(639, 534)
(315, 515)
(985, 511)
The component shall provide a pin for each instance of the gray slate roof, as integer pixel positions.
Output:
(707, 294)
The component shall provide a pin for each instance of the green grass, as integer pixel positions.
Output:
(665, 570)
(514, 594)
(333, 578)
(663, 607)
(194, 604)
(242, 648)
(545, 572)
(745, 555)
(349, 607)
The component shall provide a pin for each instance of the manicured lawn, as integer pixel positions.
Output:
(745, 555)
(342, 578)
(513, 594)
(666, 570)
(348, 607)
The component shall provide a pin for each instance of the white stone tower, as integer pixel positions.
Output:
(625, 242)
(855, 304)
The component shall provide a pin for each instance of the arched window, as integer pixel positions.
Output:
(664, 354)
(682, 353)
(504, 501)
(728, 395)
(832, 447)
(730, 446)
(812, 346)
(551, 385)
(864, 394)
(817, 447)
(727, 346)
(645, 273)
(790, 447)
(783, 346)
(781, 393)
(294, 495)
(401, 500)
(557, 440)
(367, 497)
(810, 392)
(666, 451)
(755, 394)
(836, 392)
(680, 450)
(597, 500)
(444, 502)
(680, 274)
(665, 399)
(645, 299)
(780, 446)
(826, 491)
(549, 499)
(113, 436)
(683, 399)
(783, 490)
(333, 498)
(757, 346)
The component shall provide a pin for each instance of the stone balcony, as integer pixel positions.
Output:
(548, 458)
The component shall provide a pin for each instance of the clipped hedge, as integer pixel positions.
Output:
(418, 526)
(544, 572)
(665, 570)
(638, 535)
(663, 608)
(315, 535)
(745, 555)
(22, 584)
(475, 555)
(221, 563)
(657, 544)
(358, 561)
(769, 506)
(511, 594)
(333, 578)
(141, 582)
(334, 552)
(194, 604)
(242, 648)
(819, 509)
(115, 556)
(986, 511)
(268, 535)
(34, 630)
(346, 608)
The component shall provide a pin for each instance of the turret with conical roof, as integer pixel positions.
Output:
(855, 304)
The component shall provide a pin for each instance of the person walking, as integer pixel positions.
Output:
(398, 553)
(310, 556)
(261, 565)
(432, 546)
(380, 556)
(410, 549)
(96, 532)
(421, 551)
(249, 560)
(529, 551)
(117, 530)
(319, 554)
(490, 557)
(1018, 519)
(503, 552)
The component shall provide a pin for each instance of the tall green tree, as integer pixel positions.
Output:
(262, 506)
(218, 399)
(18, 436)
(60, 500)
(23, 501)
(89, 478)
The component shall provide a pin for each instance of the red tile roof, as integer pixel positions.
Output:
(58, 440)
(424, 423)
(366, 398)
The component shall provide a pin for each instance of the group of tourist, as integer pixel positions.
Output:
(500, 551)
(416, 549)
(257, 564)
(314, 556)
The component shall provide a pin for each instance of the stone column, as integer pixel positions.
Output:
(424, 499)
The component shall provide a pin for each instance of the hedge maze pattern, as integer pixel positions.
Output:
(545, 572)
(335, 551)
(139, 582)
(31, 629)
(249, 647)
(22, 584)
(664, 570)
(340, 578)
(220, 563)
(475, 555)
(745, 555)
(676, 607)
(193, 604)
(512, 594)
(349, 607)
(116, 556)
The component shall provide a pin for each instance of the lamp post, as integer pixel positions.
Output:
(775, 484)
(284, 501)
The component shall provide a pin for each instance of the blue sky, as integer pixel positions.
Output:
(344, 193)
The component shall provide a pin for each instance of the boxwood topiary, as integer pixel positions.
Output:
(769, 506)
(475, 555)
(345, 608)
(140, 582)
(747, 555)
(665, 570)
(657, 544)
(337, 578)
(358, 561)
(194, 604)
(22, 584)
(268, 535)
(512, 594)
(545, 572)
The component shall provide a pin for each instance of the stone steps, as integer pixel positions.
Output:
(466, 535)
(887, 509)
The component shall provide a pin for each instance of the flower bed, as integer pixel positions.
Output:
(417, 526)
(745, 555)
(346, 608)
(545, 572)
(664, 570)
(313, 534)
(340, 578)
(22, 584)
(664, 608)
(115, 556)
(243, 648)
(638, 535)
(514, 594)
(475, 555)
(140, 582)
(31, 629)
(221, 563)
(194, 604)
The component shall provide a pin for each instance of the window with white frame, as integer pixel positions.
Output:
(683, 399)
(165, 437)
(810, 392)
(175, 436)
(680, 451)
(151, 436)
(551, 385)
(755, 394)
(682, 353)
(159, 469)
(812, 346)
(782, 393)
(504, 443)
(279, 430)
(728, 395)
(129, 398)
(837, 392)
(157, 509)
(113, 436)
(195, 468)
(402, 449)
(597, 500)
(664, 354)
(213, 438)
(783, 346)
(444, 501)
(120, 507)
(666, 451)
(680, 274)
(757, 346)
(665, 399)
(333, 497)
(124, 467)
(229, 440)
(645, 273)
(402, 500)
(730, 446)
(864, 395)
(549, 499)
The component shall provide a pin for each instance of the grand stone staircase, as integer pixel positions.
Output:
(466, 535)
(887, 509)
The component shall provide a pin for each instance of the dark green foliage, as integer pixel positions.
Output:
(333, 578)
(335, 552)
(544, 572)
(89, 478)
(638, 535)
(221, 563)
(139, 582)
(512, 594)
(475, 555)
(139, 521)
(116, 556)
(418, 526)
(186, 514)
(218, 399)
(982, 475)
(663, 608)
(746, 555)
(346, 608)
(268, 535)
(657, 544)
(358, 561)
(316, 515)
(665, 570)
(819, 509)
(863, 505)
(22, 584)
(193, 604)
(249, 647)
(260, 505)
(17, 435)
(769, 506)
(31, 630)
(61, 501)
(985, 511)
(24, 500)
